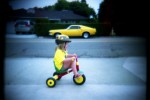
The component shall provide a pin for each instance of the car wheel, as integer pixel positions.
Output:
(86, 35)
(56, 34)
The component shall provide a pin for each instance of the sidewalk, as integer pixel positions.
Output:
(137, 66)
(106, 78)
(20, 36)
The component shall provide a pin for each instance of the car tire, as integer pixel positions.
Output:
(85, 35)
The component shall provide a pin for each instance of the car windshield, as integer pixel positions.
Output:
(67, 27)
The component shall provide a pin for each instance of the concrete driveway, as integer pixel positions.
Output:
(106, 79)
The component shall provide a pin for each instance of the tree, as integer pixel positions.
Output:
(62, 5)
(92, 12)
(8, 11)
(77, 7)
(81, 9)
(49, 7)
(83, 1)
(105, 16)
(123, 16)
(105, 11)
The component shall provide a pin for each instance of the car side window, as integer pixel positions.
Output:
(74, 27)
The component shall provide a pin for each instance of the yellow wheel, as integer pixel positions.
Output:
(51, 82)
(80, 80)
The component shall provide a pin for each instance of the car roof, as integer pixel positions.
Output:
(75, 25)
(78, 25)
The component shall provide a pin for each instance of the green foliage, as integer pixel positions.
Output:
(80, 8)
(49, 7)
(42, 29)
(41, 20)
(77, 7)
(41, 26)
(92, 12)
(83, 1)
(62, 5)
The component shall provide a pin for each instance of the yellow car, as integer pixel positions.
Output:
(74, 30)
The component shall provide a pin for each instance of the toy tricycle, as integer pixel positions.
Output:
(51, 82)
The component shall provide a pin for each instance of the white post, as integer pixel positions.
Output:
(112, 32)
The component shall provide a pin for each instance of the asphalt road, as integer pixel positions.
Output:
(85, 48)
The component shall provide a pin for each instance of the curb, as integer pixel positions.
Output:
(20, 36)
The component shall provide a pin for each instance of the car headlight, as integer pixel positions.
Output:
(50, 33)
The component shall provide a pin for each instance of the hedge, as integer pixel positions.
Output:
(41, 29)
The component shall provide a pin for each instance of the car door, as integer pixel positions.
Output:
(74, 31)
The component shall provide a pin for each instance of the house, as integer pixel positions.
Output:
(64, 16)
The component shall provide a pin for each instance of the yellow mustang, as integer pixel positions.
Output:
(74, 30)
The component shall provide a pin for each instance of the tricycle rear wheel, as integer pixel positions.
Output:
(51, 82)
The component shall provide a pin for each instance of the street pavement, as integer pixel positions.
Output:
(94, 47)
(120, 78)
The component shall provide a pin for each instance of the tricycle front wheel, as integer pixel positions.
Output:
(80, 80)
